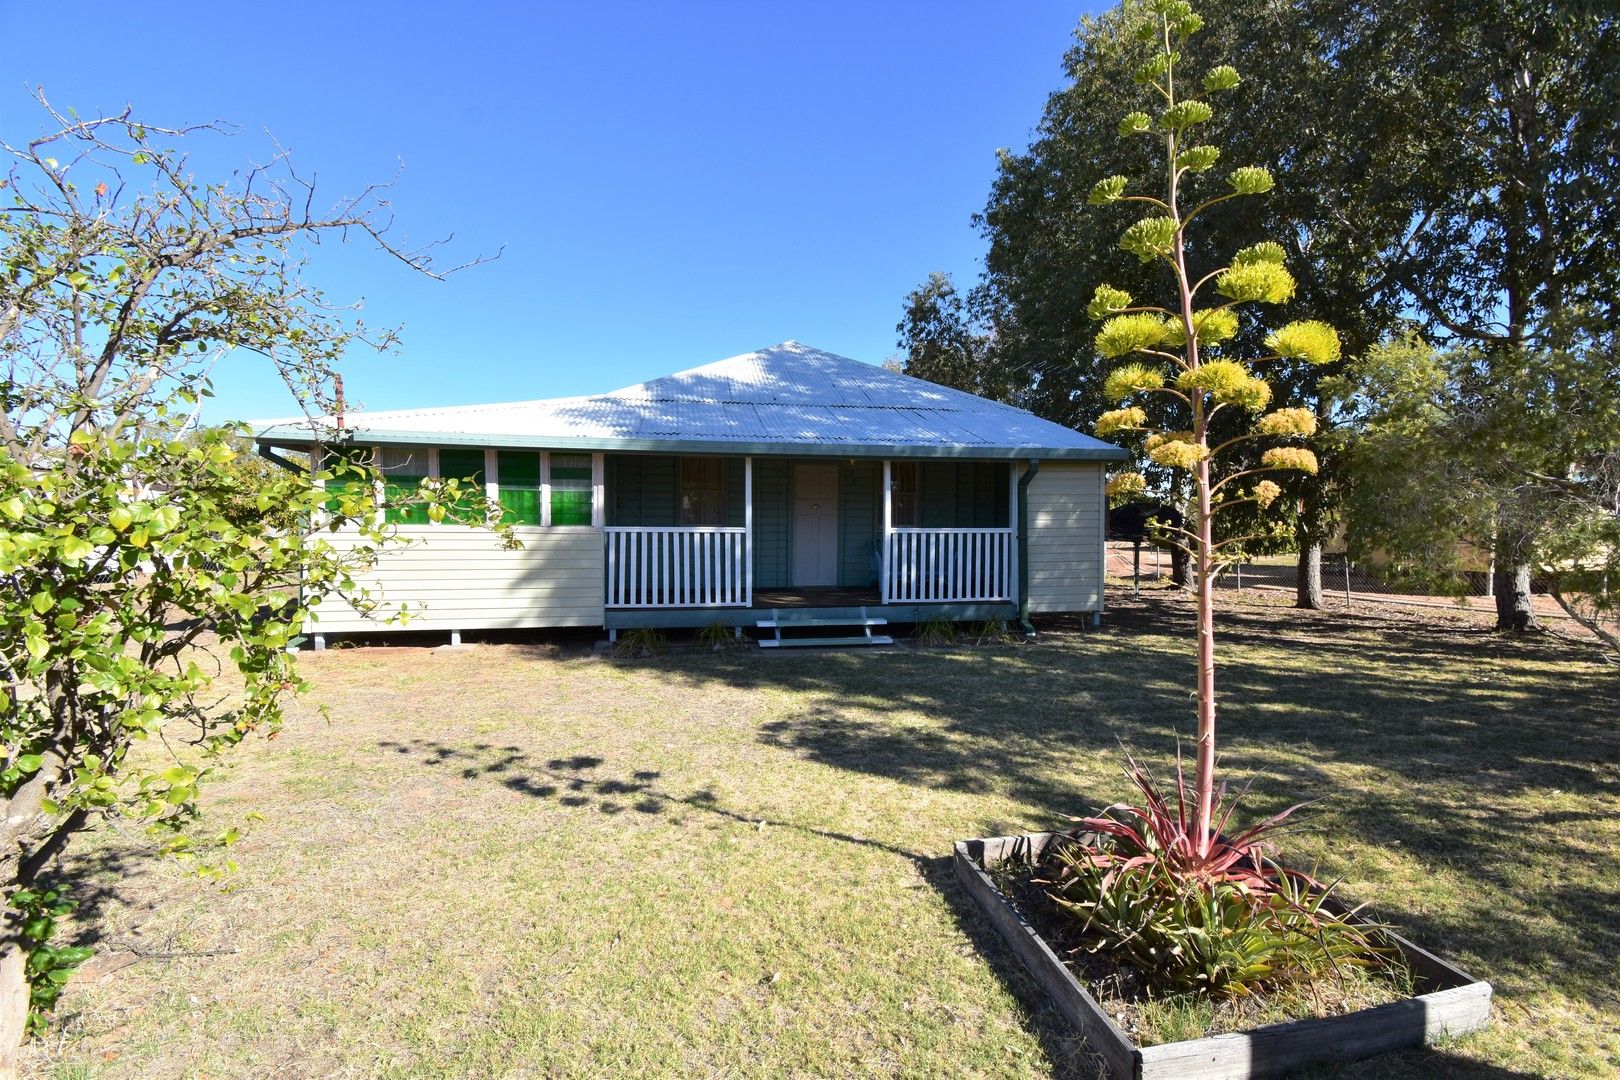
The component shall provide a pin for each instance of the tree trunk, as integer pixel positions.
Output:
(1309, 532)
(13, 998)
(1513, 604)
(1308, 576)
(1178, 567)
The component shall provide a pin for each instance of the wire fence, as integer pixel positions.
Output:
(1344, 580)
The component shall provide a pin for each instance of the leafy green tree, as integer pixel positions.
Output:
(941, 344)
(1452, 444)
(1502, 153)
(136, 563)
(1190, 345)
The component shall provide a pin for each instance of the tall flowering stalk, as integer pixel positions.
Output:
(1182, 348)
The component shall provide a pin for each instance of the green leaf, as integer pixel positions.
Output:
(28, 764)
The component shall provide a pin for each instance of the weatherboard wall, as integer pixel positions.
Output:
(452, 577)
(1066, 509)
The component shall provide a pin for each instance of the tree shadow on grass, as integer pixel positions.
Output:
(580, 782)
(1453, 747)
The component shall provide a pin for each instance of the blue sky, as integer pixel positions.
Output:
(673, 183)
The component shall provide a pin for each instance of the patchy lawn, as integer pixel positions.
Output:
(519, 861)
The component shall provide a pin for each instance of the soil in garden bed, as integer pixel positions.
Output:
(1150, 1019)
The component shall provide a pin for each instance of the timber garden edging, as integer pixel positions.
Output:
(1453, 1003)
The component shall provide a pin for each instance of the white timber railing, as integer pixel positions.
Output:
(949, 565)
(682, 566)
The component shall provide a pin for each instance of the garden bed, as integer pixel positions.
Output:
(1450, 1002)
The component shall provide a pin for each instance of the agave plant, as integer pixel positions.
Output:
(1223, 919)
(1164, 834)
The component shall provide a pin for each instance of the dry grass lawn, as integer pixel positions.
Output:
(524, 861)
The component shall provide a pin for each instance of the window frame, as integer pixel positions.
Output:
(912, 494)
(716, 491)
(590, 489)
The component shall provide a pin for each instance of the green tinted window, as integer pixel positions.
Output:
(345, 483)
(460, 463)
(518, 473)
(403, 469)
(570, 489)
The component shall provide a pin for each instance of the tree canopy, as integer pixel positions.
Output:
(141, 560)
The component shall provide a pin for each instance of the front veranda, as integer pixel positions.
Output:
(695, 540)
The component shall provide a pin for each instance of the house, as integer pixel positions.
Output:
(787, 479)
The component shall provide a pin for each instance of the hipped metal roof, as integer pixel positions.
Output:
(787, 399)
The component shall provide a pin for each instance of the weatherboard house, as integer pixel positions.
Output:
(784, 485)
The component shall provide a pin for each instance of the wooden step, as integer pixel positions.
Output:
(859, 639)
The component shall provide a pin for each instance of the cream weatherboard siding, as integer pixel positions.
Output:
(1066, 510)
(456, 578)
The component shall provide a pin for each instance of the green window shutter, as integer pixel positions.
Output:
(518, 473)
(570, 489)
(467, 465)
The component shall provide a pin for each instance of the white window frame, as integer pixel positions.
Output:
(598, 503)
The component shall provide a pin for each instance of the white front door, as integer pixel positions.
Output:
(815, 525)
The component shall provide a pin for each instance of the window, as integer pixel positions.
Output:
(702, 491)
(570, 489)
(345, 484)
(517, 473)
(403, 469)
(903, 506)
(460, 463)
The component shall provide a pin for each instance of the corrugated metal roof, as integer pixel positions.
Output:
(789, 396)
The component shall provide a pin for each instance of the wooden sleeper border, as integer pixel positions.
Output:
(1453, 1002)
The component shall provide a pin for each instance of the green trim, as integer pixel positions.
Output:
(1023, 546)
(290, 436)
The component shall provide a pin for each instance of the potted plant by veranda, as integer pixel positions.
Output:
(1213, 957)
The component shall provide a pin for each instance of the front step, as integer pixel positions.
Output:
(782, 622)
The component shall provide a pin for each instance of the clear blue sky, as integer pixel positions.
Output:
(673, 182)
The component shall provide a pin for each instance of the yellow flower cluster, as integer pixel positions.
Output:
(1265, 251)
(1266, 492)
(1124, 381)
(1126, 333)
(1262, 282)
(1310, 340)
(1301, 422)
(1119, 420)
(1213, 326)
(1126, 485)
(1228, 383)
(1178, 455)
(1289, 457)
(1153, 442)
(1250, 180)
(1107, 300)
(1150, 238)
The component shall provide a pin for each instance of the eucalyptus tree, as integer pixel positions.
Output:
(138, 561)
(1506, 163)
(1190, 342)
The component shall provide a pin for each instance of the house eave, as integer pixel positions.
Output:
(298, 437)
